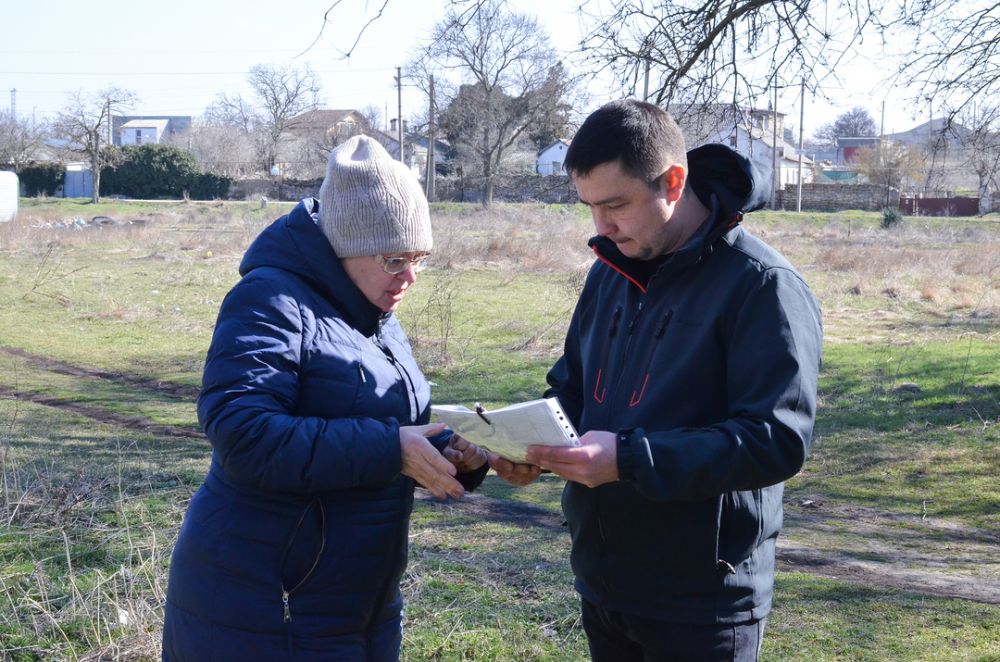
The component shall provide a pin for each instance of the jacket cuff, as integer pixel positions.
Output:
(633, 454)
(470, 480)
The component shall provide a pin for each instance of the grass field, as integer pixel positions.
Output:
(892, 530)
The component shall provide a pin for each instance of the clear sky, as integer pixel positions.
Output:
(178, 56)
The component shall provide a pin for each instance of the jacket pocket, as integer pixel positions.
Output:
(739, 531)
(664, 548)
(303, 549)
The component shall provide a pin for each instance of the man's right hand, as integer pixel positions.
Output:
(512, 472)
(424, 464)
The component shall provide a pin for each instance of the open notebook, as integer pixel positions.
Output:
(509, 431)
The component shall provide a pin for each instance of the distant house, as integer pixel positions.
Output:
(550, 159)
(142, 132)
(750, 131)
(848, 146)
(417, 149)
(148, 129)
(329, 122)
(414, 148)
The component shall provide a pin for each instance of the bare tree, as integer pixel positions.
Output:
(221, 148)
(373, 116)
(957, 56)
(20, 140)
(736, 50)
(85, 123)
(856, 122)
(980, 142)
(892, 165)
(510, 83)
(279, 94)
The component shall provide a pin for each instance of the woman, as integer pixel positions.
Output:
(318, 418)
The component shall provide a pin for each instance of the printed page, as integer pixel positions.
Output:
(512, 429)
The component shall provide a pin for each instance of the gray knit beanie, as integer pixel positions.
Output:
(371, 204)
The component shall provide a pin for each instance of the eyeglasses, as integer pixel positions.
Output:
(397, 264)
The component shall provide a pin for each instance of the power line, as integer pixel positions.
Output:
(178, 73)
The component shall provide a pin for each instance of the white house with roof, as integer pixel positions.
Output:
(750, 131)
(549, 160)
(148, 129)
(143, 132)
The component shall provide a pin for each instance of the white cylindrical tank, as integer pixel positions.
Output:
(9, 189)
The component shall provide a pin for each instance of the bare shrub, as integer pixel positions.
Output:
(930, 293)
(510, 237)
(431, 328)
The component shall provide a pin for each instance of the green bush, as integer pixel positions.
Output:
(160, 171)
(891, 218)
(41, 178)
(208, 186)
(149, 172)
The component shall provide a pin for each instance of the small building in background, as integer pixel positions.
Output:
(148, 129)
(549, 160)
(142, 132)
(78, 182)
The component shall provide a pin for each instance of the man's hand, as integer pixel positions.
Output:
(594, 462)
(465, 455)
(424, 464)
(512, 472)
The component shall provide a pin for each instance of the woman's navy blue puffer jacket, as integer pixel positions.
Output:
(295, 544)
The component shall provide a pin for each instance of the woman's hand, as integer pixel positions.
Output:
(465, 455)
(424, 464)
(512, 472)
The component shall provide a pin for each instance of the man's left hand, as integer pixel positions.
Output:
(594, 462)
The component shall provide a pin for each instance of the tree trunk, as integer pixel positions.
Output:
(487, 182)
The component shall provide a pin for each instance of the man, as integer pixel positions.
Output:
(690, 370)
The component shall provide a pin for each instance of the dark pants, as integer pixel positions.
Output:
(617, 637)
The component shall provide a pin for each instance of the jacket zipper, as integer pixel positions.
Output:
(286, 593)
(647, 361)
(600, 394)
(624, 355)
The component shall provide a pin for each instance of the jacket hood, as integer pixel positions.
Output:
(294, 243)
(740, 185)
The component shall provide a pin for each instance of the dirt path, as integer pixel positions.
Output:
(140, 383)
(862, 545)
(930, 558)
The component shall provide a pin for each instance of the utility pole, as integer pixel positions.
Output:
(802, 118)
(399, 111)
(108, 118)
(13, 103)
(775, 175)
(431, 137)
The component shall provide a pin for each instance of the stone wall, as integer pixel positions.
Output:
(837, 197)
(558, 189)
(552, 189)
(290, 190)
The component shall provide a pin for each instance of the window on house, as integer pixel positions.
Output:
(732, 141)
(138, 137)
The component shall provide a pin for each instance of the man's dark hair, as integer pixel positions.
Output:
(643, 137)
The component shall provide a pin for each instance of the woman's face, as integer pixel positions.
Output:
(371, 274)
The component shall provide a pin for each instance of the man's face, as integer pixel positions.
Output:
(630, 213)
